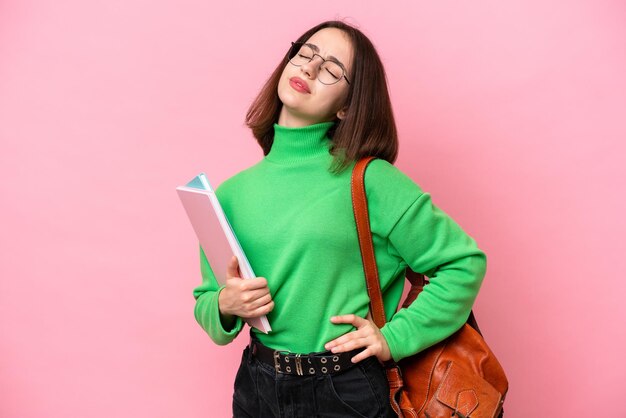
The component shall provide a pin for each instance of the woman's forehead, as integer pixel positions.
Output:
(333, 42)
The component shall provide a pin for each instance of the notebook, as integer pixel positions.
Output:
(216, 236)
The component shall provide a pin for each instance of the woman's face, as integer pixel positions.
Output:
(309, 101)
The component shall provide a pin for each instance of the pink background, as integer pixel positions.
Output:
(510, 113)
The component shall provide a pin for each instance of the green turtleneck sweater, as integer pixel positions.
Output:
(295, 222)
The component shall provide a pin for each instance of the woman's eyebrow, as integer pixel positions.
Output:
(330, 57)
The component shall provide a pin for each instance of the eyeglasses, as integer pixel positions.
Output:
(331, 72)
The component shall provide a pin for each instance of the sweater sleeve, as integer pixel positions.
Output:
(207, 310)
(433, 244)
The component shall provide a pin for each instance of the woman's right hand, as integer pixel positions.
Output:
(246, 298)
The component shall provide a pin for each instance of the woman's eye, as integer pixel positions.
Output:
(334, 76)
(304, 56)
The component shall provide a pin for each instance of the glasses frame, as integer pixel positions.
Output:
(301, 44)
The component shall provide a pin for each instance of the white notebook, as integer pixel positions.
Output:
(216, 236)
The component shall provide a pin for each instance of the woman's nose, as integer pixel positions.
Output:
(312, 67)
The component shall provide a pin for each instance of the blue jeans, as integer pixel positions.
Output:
(361, 391)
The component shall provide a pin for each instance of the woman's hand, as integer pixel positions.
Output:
(367, 335)
(246, 298)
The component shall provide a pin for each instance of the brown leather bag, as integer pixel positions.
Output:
(458, 376)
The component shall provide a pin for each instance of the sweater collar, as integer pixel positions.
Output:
(296, 144)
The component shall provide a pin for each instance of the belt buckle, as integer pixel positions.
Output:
(299, 365)
(277, 354)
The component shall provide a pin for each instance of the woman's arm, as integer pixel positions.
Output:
(220, 309)
(221, 328)
(433, 244)
(422, 236)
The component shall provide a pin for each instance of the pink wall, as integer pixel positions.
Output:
(510, 113)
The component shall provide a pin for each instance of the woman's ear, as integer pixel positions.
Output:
(342, 113)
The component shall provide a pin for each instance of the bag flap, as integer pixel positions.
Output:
(465, 391)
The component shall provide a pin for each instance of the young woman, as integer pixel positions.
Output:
(325, 106)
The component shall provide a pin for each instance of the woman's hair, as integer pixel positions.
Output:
(368, 128)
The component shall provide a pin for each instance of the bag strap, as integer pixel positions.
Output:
(361, 216)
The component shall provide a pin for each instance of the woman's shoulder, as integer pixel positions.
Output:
(385, 179)
(390, 192)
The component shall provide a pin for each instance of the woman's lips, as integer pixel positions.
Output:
(299, 85)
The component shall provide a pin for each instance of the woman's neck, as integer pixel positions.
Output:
(289, 120)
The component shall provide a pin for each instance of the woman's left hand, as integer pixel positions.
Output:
(366, 335)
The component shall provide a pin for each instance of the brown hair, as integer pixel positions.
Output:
(368, 129)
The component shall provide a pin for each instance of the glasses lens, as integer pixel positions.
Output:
(330, 73)
(300, 54)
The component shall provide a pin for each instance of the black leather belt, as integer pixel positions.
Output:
(312, 364)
